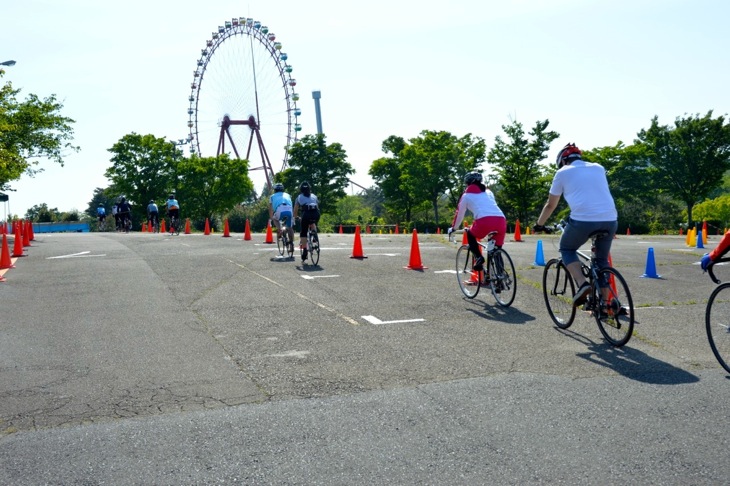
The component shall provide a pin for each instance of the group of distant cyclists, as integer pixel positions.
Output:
(283, 212)
(122, 213)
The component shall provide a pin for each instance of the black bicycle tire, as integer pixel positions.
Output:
(559, 293)
(719, 349)
(510, 281)
(623, 299)
(281, 243)
(313, 243)
(290, 244)
(468, 285)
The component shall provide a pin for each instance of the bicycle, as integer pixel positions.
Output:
(155, 223)
(717, 318)
(499, 277)
(614, 313)
(312, 243)
(174, 225)
(284, 242)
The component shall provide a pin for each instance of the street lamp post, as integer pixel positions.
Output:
(8, 63)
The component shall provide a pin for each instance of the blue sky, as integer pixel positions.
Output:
(598, 70)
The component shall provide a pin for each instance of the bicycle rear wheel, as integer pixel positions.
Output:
(558, 289)
(717, 323)
(616, 321)
(469, 280)
(503, 278)
(313, 241)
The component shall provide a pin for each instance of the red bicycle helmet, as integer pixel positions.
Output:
(570, 151)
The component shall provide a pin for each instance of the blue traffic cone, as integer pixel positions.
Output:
(539, 257)
(650, 271)
(699, 240)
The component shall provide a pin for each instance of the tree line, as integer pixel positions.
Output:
(669, 176)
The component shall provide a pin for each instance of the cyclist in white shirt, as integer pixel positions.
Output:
(585, 188)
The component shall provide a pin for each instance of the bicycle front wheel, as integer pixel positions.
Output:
(558, 289)
(469, 280)
(616, 321)
(503, 277)
(717, 322)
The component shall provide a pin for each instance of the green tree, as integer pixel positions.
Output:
(324, 166)
(688, 160)
(41, 213)
(388, 175)
(30, 130)
(143, 168)
(434, 164)
(524, 181)
(211, 185)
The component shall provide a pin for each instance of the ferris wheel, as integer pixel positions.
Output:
(242, 95)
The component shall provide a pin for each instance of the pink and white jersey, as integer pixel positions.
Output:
(479, 203)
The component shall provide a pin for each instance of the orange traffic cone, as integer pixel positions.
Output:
(518, 235)
(31, 235)
(367, 229)
(226, 232)
(26, 234)
(357, 248)
(269, 234)
(162, 226)
(144, 227)
(628, 231)
(247, 232)
(340, 229)
(415, 261)
(207, 227)
(187, 226)
(464, 239)
(5, 254)
(18, 243)
(396, 228)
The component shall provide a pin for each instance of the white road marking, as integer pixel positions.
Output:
(76, 255)
(445, 271)
(377, 322)
(312, 277)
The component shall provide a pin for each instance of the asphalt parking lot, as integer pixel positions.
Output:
(151, 359)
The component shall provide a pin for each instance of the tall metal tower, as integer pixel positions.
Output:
(316, 95)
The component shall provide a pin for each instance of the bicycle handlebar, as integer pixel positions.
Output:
(712, 273)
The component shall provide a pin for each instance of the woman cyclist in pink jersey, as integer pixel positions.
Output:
(479, 200)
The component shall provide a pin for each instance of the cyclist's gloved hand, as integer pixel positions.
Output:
(538, 228)
(705, 261)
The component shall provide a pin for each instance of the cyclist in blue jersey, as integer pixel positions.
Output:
(101, 214)
(173, 207)
(280, 210)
